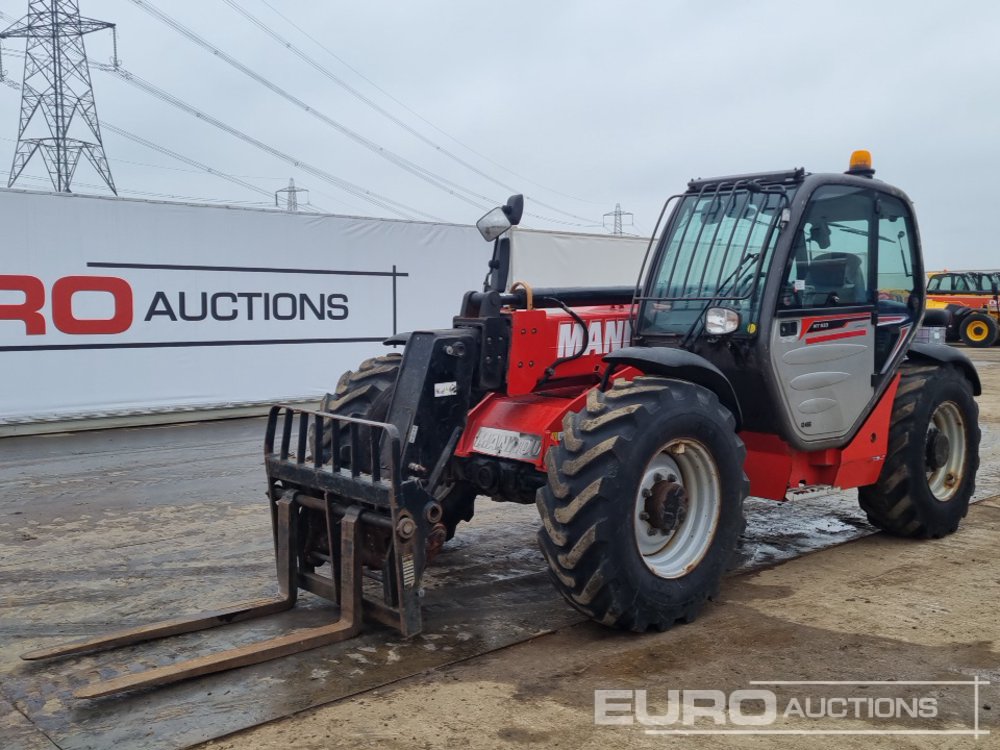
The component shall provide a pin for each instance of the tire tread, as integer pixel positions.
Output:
(892, 503)
(577, 510)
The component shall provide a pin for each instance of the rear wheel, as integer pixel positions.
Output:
(930, 468)
(367, 393)
(978, 330)
(644, 503)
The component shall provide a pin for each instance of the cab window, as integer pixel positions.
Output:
(829, 266)
(896, 280)
(948, 282)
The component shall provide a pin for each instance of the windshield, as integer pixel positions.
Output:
(715, 251)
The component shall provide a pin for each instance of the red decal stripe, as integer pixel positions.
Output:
(807, 322)
(835, 336)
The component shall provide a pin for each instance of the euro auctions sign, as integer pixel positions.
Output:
(29, 310)
(112, 306)
(98, 305)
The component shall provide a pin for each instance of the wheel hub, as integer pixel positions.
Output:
(938, 449)
(677, 507)
(946, 451)
(666, 505)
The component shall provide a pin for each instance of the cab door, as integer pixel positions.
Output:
(823, 342)
(899, 283)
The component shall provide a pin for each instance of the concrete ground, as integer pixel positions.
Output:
(117, 528)
(876, 609)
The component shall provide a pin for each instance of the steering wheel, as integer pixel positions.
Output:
(799, 298)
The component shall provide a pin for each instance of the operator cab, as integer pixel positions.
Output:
(963, 283)
(807, 287)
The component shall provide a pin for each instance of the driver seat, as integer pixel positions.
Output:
(840, 274)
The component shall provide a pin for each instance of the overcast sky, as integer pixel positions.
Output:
(580, 105)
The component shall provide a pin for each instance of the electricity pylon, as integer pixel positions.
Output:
(618, 215)
(291, 194)
(57, 83)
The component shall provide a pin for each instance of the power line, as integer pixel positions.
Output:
(327, 195)
(385, 113)
(477, 200)
(191, 162)
(150, 194)
(173, 154)
(416, 114)
(147, 165)
(385, 203)
(388, 204)
(436, 180)
(200, 167)
(376, 199)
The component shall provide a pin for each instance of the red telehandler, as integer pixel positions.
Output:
(761, 353)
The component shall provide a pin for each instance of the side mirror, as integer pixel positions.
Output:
(493, 224)
(499, 220)
(514, 209)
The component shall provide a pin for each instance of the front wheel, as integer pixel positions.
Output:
(644, 503)
(933, 455)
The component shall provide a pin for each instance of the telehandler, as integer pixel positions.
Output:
(760, 353)
(971, 300)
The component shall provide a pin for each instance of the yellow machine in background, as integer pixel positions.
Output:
(973, 301)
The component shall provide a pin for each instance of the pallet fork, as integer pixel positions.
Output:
(382, 523)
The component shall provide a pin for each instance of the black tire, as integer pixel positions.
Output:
(978, 330)
(905, 501)
(355, 395)
(367, 393)
(591, 534)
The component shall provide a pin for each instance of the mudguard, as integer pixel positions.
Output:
(943, 354)
(680, 364)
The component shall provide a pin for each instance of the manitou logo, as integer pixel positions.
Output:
(604, 336)
(29, 311)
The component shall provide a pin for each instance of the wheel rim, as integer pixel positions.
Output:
(689, 466)
(977, 331)
(944, 475)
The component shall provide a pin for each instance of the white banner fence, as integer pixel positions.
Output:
(112, 307)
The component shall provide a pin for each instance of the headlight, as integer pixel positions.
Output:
(720, 320)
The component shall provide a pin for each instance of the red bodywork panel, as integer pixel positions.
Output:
(539, 337)
(530, 414)
(774, 467)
